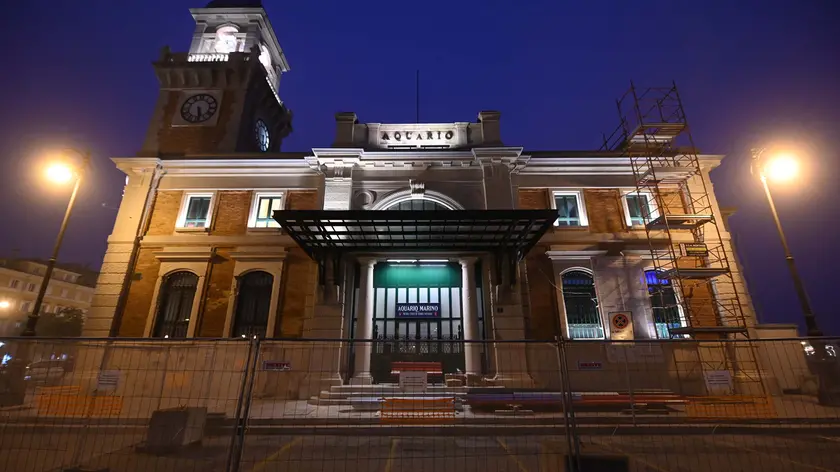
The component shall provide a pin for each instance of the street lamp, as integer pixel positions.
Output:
(781, 167)
(59, 172)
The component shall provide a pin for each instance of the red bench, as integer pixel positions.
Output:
(430, 368)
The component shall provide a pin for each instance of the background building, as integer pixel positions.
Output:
(20, 280)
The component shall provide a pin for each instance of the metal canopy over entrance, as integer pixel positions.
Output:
(327, 233)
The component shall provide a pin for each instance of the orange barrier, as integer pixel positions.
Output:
(67, 401)
(733, 406)
(418, 411)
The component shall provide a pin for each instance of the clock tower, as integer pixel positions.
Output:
(222, 96)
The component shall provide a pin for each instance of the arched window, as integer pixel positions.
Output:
(177, 292)
(665, 305)
(581, 302)
(417, 204)
(252, 304)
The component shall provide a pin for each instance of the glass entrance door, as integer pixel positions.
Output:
(417, 316)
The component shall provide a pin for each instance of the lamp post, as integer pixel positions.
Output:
(781, 167)
(784, 167)
(60, 172)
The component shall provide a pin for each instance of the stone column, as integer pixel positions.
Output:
(509, 325)
(469, 316)
(364, 324)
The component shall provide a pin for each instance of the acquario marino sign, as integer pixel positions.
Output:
(418, 310)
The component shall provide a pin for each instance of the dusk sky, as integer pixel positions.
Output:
(79, 74)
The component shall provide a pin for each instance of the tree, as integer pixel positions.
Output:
(67, 323)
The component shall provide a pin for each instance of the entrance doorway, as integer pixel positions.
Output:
(418, 315)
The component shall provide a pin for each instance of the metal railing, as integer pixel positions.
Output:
(277, 404)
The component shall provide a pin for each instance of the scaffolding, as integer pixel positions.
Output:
(682, 228)
(678, 214)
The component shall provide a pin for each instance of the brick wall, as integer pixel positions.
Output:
(232, 209)
(541, 295)
(193, 139)
(673, 203)
(533, 199)
(140, 293)
(217, 295)
(604, 210)
(302, 200)
(165, 210)
(299, 284)
(299, 277)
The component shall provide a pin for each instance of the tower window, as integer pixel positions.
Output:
(226, 41)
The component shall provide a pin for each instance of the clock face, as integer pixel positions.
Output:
(199, 108)
(261, 134)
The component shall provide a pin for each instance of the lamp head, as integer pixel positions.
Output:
(60, 172)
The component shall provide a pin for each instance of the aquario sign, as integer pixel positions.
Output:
(418, 135)
(406, 135)
(418, 310)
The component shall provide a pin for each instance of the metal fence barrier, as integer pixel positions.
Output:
(270, 404)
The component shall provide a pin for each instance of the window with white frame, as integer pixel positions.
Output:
(30, 287)
(263, 208)
(664, 301)
(195, 211)
(65, 293)
(583, 319)
(14, 283)
(639, 208)
(571, 210)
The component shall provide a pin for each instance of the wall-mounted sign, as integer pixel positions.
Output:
(694, 250)
(621, 325)
(277, 366)
(590, 365)
(418, 135)
(418, 310)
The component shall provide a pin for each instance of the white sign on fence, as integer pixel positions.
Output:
(718, 381)
(108, 380)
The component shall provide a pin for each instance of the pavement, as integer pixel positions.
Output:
(705, 452)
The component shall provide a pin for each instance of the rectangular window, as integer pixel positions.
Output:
(263, 208)
(25, 306)
(195, 212)
(65, 293)
(570, 208)
(639, 208)
(14, 283)
(30, 287)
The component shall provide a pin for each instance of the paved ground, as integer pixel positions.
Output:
(49, 451)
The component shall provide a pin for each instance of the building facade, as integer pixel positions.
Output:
(20, 281)
(402, 233)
